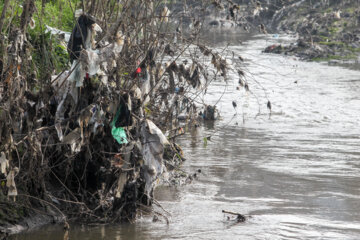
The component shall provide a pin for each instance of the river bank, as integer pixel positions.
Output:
(327, 30)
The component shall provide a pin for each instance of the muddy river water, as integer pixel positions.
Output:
(296, 175)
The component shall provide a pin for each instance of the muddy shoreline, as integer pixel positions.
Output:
(327, 31)
(31, 222)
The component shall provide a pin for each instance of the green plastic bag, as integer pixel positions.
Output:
(119, 133)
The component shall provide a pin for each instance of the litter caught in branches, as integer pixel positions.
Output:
(104, 124)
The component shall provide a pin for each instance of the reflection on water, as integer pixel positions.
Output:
(296, 174)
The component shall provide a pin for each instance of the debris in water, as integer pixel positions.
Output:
(263, 29)
(247, 87)
(66, 226)
(234, 104)
(239, 217)
(269, 107)
(210, 113)
(155, 218)
(205, 142)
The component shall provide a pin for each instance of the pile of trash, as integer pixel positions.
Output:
(89, 142)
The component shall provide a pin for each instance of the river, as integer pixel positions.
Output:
(294, 174)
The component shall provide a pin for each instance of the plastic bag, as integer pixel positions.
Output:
(118, 133)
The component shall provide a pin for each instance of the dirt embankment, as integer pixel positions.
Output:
(327, 30)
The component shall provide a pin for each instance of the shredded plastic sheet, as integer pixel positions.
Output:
(10, 183)
(153, 141)
(153, 129)
(60, 111)
(120, 184)
(74, 139)
(88, 63)
(145, 86)
(4, 163)
(91, 115)
(137, 92)
(78, 74)
(56, 31)
(58, 82)
(92, 61)
(97, 118)
(59, 131)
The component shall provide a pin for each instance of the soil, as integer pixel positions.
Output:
(327, 30)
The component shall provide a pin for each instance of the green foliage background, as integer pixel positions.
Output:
(48, 52)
